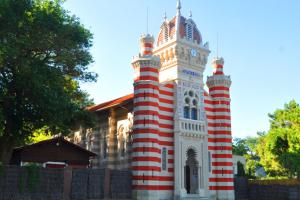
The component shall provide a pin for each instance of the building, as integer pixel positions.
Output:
(53, 153)
(173, 135)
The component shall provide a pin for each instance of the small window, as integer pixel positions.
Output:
(195, 102)
(166, 32)
(123, 147)
(189, 31)
(105, 148)
(191, 93)
(209, 162)
(187, 100)
(194, 114)
(164, 159)
(186, 112)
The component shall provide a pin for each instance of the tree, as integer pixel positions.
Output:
(239, 147)
(247, 147)
(43, 56)
(39, 135)
(240, 169)
(279, 149)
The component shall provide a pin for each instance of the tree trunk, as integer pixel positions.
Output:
(6, 150)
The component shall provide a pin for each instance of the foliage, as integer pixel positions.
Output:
(240, 169)
(239, 147)
(43, 56)
(270, 181)
(246, 147)
(39, 135)
(279, 149)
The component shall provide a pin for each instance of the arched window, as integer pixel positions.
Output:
(186, 112)
(166, 32)
(189, 31)
(194, 114)
(123, 147)
(105, 147)
(121, 141)
(190, 110)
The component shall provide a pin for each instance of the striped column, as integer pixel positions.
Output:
(112, 143)
(146, 152)
(217, 105)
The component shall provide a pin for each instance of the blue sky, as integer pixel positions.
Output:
(259, 40)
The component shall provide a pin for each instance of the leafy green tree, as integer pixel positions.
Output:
(44, 53)
(279, 149)
(240, 169)
(247, 147)
(39, 135)
(239, 147)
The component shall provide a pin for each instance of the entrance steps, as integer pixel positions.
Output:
(194, 197)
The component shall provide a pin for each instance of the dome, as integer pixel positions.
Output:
(187, 30)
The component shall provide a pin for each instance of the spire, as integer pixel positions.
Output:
(178, 18)
(190, 14)
(165, 16)
(178, 7)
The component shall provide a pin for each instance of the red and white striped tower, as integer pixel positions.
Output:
(146, 153)
(220, 139)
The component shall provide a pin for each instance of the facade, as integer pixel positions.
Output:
(173, 135)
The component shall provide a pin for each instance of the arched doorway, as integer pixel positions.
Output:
(191, 172)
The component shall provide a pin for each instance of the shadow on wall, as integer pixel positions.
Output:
(18, 183)
(266, 189)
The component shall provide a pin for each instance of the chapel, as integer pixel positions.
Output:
(172, 133)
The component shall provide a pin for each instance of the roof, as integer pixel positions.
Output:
(111, 103)
(171, 26)
(56, 150)
(56, 140)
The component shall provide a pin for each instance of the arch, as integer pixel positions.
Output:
(166, 32)
(191, 171)
(191, 107)
(189, 29)
(186, 112)
(194, 113)
(122, 138)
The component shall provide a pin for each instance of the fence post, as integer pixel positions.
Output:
(106, 183)
(67, 183)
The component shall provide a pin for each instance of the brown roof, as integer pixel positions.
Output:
(56, 150)
(55, 140)
(111, 103)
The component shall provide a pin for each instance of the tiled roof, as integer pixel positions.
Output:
(171, 28)
(111, 103)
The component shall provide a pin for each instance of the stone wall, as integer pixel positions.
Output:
(266, 189)
(241, 188)
(120, 184)
(19, 183)
(25, 184)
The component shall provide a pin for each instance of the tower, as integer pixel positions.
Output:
(183, 58)
(220, 139)
(146, 155)
(181, 147)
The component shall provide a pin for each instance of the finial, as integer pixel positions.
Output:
(178, 7)
(147, 20)
(190, 14)
(165, 16)
(217, 45)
